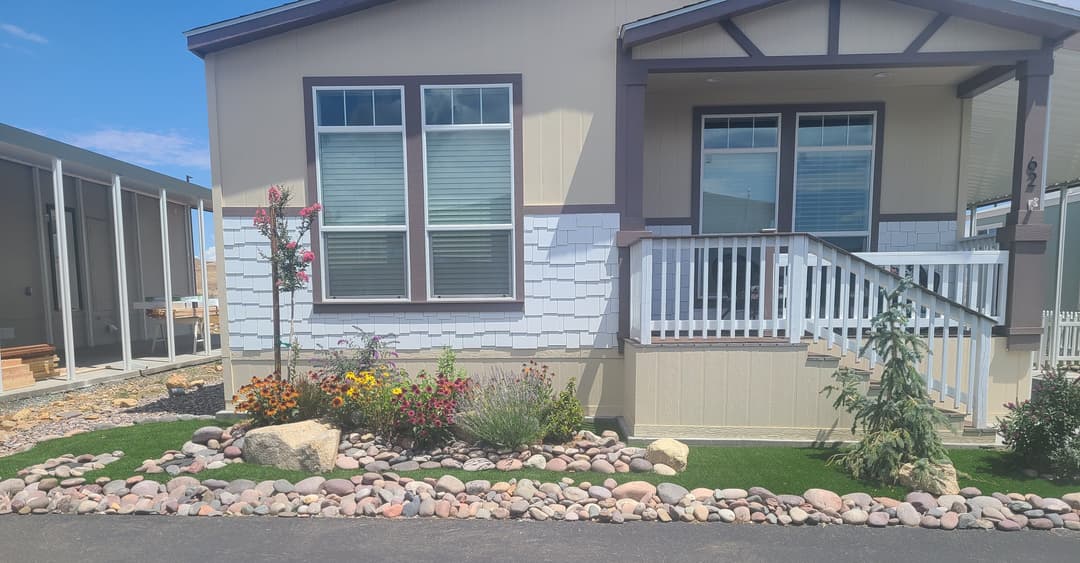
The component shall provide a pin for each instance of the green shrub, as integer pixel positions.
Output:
(364, 352)
(565, 415)
(900, 425)
(507, 409)
(1045, 429)
(447, 365)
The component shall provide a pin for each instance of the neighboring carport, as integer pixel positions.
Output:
(105, 284)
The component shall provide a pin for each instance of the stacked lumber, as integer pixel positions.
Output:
(39, 359)
(181, 312)
(16, 374)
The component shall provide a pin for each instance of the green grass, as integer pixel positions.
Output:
(779, 469)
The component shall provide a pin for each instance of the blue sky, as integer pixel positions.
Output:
(113, 76)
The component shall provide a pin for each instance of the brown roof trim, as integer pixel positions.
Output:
(244, 29)
(571, 208)
(894, 217)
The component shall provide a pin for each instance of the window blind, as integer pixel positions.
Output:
(470, 263)
(367, 265)
(832, 190)
(362, 178)
(469, 178)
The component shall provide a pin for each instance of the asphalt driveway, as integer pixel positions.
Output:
(115, 538)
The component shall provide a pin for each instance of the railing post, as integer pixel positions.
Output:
(645, 302)
(797, 300)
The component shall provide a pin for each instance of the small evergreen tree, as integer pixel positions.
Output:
(900, 425)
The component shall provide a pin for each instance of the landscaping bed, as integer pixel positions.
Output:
(714, 488)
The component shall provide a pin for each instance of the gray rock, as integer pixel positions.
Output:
(240, 485)
(309, 486)
(450, 485)
(283, 486)
(855, 517)
(671, 493)
(878, 519)
(599, 493)
(478, 464)
(338, 487)
(640, 465)
(477, 487)
(908, 514)
(205, 434)
(406, 466)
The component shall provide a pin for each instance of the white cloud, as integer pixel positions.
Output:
(211, 253)
(145, 148)
(20, 33)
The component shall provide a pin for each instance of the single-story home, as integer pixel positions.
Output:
(83, 291)
(688, 207)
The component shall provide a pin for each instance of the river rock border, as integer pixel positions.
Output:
(212, 447)
(389, 495)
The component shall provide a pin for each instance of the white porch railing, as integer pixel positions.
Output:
(976, 279)
(1065, 334)
(793, 286)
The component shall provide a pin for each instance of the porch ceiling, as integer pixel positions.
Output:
(817, 79)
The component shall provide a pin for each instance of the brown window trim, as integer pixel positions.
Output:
(415, 188)
(785, 198)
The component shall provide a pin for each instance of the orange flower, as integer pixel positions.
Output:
(337, 402)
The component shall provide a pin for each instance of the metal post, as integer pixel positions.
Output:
(63, 272)
(205, 278)
(170, 330)
(1063, 217)
(121, 272)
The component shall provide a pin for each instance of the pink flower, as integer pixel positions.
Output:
(308, 256)
(302, 276)
(274, 194)
(291, 245)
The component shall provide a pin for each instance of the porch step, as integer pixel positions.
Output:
(17, 375)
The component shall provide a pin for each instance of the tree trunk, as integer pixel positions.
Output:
(274, 278)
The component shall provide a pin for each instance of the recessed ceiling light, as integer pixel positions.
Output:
(713, 79)
(882, 74)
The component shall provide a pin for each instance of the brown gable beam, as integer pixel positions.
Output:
(633, 35)
(741, 39)
(931, 28)
(822, 62)
(834, 27)
(985, 80)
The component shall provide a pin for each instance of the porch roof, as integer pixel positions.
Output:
(33, 149)
(1052, 21)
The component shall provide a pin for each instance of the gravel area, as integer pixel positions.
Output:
(28, 421)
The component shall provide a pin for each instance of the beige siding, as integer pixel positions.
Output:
(708, 41)
(966, 35)
(566, 55)
(796, 27)
(879, 26)
(921, 152)
(728, 390)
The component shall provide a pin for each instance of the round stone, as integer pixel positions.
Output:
(855, 517)
(640, 465)
(822, 499)
(878, 519)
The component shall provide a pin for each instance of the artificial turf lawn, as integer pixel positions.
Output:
(779, 469)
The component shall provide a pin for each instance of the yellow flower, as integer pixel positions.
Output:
(396, 390)
(351, 392)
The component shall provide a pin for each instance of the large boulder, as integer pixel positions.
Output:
(671, 453)
(942, 483)
(307, 446)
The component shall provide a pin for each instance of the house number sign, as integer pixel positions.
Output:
(1035, 203)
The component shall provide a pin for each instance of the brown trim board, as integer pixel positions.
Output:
(417, 237)
(893, 217)
(571, 208)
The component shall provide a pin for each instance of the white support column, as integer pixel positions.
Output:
(87, 290)
(170, 329)
(1054, 336)
(121, 273)
(62, 269)
(42, 240)
(205, 278)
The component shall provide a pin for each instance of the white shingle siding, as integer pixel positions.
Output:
(571, 296)
(898, 236)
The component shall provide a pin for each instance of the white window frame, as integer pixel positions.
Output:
(748, 150)
(323, 228)
(840, 148)
(511, 226)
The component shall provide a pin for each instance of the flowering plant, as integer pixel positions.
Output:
(1045, 430)
(269, 400)
(429, 405)
(365, 400)
(289, 261)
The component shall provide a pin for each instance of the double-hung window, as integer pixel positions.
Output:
(361, 168)
(740, 173)
(469, 191)
(834, 177)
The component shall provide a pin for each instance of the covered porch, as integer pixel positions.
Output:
(783, 163)
(84, 297)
